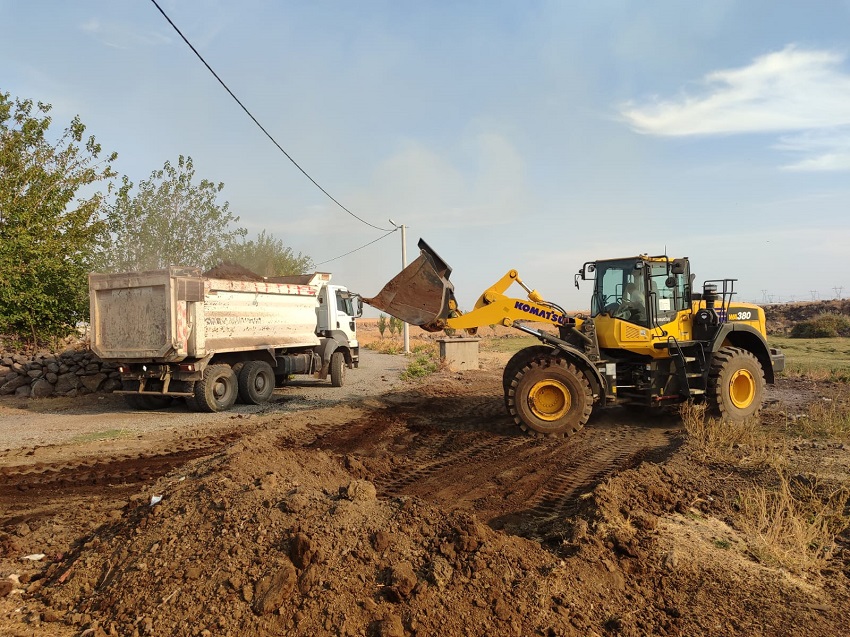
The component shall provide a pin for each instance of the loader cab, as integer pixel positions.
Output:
(645, 291)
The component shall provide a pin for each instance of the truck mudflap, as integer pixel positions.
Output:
(421, 294)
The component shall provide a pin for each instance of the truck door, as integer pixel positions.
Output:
(345, 313)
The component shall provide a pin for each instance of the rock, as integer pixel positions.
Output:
(193, 572)
(23, 529)
(403, 579)
(67, 382)
(6, 587)
(271, 590)
(302, 552)
(111, 384)
(23, 391)
(93, 382)
(41, 388)
(382, 540)
(391, 626)
(12, 385)
(35, 373)
(440, 572)
(360, 490)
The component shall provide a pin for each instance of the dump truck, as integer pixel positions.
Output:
(651, 340)
(176, 333)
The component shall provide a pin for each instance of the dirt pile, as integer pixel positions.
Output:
(268, 540)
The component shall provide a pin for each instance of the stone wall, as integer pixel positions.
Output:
(71, 373)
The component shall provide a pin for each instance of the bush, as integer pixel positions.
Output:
(826, 325)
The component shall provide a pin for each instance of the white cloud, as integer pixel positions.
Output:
(787, 91)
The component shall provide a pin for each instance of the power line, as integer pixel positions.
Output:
(254, 119)
(360, 248)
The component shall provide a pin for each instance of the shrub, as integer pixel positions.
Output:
(825, 325)
(382, 324)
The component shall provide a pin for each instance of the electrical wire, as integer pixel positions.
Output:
(261, 127)
(357, 249)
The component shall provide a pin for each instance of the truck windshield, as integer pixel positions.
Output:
(344, 304)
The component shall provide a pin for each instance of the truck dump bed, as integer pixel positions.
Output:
(173, 314)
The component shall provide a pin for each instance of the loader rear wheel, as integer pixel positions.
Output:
(217, 390)
(735, 384)
(549, 397)
(520, 360)
(256, 382)
(337, 369)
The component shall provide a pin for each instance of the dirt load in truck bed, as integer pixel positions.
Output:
(412, 508)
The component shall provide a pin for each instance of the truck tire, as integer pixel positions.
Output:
(735, 384)
(549, 397)
(337, 369)
(217, 390)
(256, 382)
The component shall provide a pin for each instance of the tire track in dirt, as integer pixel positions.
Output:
(84, 474)
(463, 452)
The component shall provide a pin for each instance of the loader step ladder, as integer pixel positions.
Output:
(691, 383)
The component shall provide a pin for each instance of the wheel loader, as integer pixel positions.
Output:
(651, 340)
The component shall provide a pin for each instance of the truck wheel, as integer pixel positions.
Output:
(549, 397)
(337, 369)
(217, 390)
(735, 384)
(256, 382)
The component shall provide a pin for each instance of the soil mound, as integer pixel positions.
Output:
(264, 539)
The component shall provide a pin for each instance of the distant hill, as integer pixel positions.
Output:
(783, 316)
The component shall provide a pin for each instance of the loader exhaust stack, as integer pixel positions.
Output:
(421, 294)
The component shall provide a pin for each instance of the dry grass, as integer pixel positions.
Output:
(713, 440)
(826, 418)
(794, 524)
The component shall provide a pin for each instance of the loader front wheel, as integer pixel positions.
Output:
(256, 382)
(549, 397)
(735, 384)
(217, 390)
(520, 360)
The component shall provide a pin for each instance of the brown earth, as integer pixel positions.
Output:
(414, 508)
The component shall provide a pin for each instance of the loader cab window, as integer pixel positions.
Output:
(667, 291)
(620, 290)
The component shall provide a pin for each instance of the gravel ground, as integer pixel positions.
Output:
(29, 423)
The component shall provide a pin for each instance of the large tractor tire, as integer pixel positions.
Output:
(217, 391)
(549, 397)
(735, 384)
(256, 382)
(337, 369)
(520, 360)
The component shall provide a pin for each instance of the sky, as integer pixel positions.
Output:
(525, 135)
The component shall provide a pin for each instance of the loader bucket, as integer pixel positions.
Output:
(419, 294)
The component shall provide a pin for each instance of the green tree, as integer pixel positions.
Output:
(170, 220)
(266, 255)
(382, 324)
(49, 222)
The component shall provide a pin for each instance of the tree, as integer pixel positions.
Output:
(170, 220)
(48, 229)
(267, 256)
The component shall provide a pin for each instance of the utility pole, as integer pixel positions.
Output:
(814, 294)
(838, 289)
(405, 328)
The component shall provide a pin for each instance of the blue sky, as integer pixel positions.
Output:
(526, 135)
